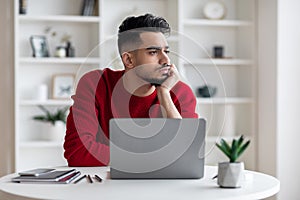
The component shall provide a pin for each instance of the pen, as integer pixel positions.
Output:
(98, 178)
(89, 178)
(80, 179)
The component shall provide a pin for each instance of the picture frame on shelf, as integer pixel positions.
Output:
(62, 86)
(39, 46)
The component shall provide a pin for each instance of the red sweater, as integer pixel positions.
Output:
(100, 96)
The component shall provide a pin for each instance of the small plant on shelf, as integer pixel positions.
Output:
(230, 174)
(236, 149)
(52, 117)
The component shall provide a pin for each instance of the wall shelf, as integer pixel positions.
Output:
(225, 101)
(172, 38)
(40, 144)
(53, 60)
(225, 23)
(221, 62)
(59, 18)
(50, 102)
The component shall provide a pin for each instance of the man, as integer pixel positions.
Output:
(148, 87)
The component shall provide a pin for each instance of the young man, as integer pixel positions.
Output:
(148, 87)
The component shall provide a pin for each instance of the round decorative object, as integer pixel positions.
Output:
(60, 52)
(214, 9)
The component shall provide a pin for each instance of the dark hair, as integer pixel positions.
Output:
(131, 27)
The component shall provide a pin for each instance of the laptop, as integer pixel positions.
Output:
(157, 148)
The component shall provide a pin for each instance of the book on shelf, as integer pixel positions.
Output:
(89, 8)
(55, 176)
(96, 11)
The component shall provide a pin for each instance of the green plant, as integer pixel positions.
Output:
(234, 151)
(59, 115)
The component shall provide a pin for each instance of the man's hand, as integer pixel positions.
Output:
(163, 92)
(172, 79)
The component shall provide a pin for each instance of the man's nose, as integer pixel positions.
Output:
(164, 58)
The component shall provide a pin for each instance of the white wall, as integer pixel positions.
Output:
(6, 88)
(279, 93)
(267, 62)
(288, 96)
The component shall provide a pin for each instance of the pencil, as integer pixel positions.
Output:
(89, 178)
(98, 178)
(80, 179)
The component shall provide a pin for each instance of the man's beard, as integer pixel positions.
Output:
(156, 81)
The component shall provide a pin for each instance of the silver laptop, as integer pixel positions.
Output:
(157, 148)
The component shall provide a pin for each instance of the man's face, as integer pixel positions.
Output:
(151, 61)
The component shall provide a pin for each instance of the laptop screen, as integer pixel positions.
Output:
(146, 146)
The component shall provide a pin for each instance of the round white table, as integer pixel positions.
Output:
(255, 186)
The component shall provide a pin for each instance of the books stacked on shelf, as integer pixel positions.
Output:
(47, 176)
(89, 8)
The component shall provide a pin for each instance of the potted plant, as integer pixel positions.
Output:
(230, 173)
(54, 126)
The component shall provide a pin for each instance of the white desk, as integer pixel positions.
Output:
(257, 186)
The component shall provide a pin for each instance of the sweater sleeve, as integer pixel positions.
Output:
(186, 101)
(81, 145)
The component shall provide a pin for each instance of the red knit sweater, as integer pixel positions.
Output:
(100, 96)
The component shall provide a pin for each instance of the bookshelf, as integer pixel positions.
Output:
(61, 17)
(230, 113)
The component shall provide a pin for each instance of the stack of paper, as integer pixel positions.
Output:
(54, 176)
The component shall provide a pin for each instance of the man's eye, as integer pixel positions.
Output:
(167, 51)
(152, 52)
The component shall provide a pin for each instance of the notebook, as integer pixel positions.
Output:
(157, 148)
(57, 176)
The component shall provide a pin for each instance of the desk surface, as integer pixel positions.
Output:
(255, 186)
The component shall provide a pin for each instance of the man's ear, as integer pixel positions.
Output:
(127, 59)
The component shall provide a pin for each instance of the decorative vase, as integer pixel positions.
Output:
(42, 92)
(70, 51)
(230, 175)
(54, 132)
(218, 51)
(207, 91)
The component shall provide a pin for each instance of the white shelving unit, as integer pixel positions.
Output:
(230, 113)
(63, 17)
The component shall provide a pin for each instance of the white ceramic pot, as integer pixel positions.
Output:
(230, 175)
(54, 132)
